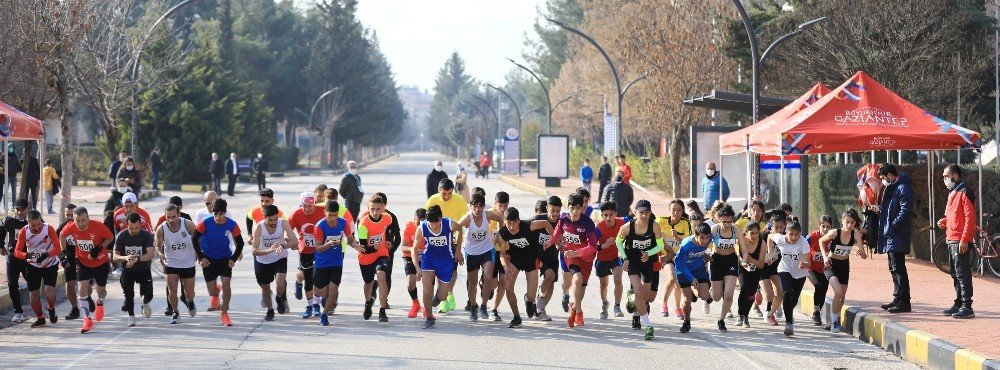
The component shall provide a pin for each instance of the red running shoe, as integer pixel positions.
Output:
(88, 325)
(214, 305)
(579, 318)
(414, 308)
(226, 321)
(99, 311)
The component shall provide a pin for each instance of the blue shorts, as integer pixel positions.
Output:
(606, 268)
(701, 275)
(562, 263)
(476, 261)
(443, 266)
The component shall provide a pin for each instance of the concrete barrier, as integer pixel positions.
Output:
(512, 181)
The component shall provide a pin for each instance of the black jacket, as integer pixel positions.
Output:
(216, 167)
(228, 170)
(31, 172)
(433, 179)
(155, 163)
(259, 165)
(604, 173)
(350, 188)
(621, 194)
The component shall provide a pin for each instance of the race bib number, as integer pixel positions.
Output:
(437, 241)
(136, 251)
(842, 250)
(178, 246)
(309, 241)
(727, 244)
(375, 240)
(818, 257)
(478, 236)
(33, 256)
(751, 267)
(544, 238)
(519, 243)
(571, 238)
(790, 257)
(642, 244)
(333, 239)
(85, 245)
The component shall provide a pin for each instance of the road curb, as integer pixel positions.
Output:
(524, 186)
(914, 346)
(7, 304)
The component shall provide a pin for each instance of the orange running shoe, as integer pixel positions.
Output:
(88, 325)
(579, 318)
(99, 311)
(572, 318)
(225, 319)
(414, 308)
(214, 305)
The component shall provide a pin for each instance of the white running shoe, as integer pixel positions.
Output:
(146, 310)
(17, 319)
(708, 307)
(541, 316)
(116, 273)
(758, 312)
(131, 322)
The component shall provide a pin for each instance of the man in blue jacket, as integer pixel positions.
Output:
(710, 186)
(895, 228)
(586, 174)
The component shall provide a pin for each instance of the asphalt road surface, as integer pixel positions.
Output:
(351, 342)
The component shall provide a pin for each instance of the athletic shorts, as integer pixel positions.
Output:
(184, 273)
(306, 261)
(524, 264)
(443, 266)
(770, 269)
(701, 275)
(408, 266)
(265, 272)
(723, 266)
(217, 268)
(99, 274)
(36, 275)
(606, 268)
(562, 263)
(644, 270)
(69, 269)
(323, 276)
(498, 267)
(586, 269)
(840, 269)
(475, 262)
(548, 263)
(368, 271)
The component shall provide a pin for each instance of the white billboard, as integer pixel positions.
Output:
(553, 156)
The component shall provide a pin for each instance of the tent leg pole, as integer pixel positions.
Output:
(781, 179)
(980, 195)
(930, 203)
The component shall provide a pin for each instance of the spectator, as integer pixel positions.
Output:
(155, 165)
(32, 173)
(350, 189)
(960, 227)
(624, 168)
(217, 170)
(131, 175)
(710, 186)
(233, 173)
(49, 177)
(620, 192)
(586, 174)
(117, 165)
(603, 176)
(434, 178)
(462, 182)
(895, 229)
(117, 192)
(484, 165)
(13, 168)
(259, 166)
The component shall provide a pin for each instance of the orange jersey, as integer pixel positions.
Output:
(409, 233)
(84, 241)
(305, 226)
(374, 233)
(121, 220)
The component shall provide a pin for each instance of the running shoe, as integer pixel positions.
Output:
(779, 314)
(213, 304)
(175, 318)
(579, 318)
(269, 316)
(130, 322)
(146, 310)
(618, 311)
(565, 302)
(835, 327)
(117, 273)
(758, 312)
(324, 320)
(635, 323)
(604, 311)
(951, 311)
(468, 306)
(309, 311)
(542, 316)
(483, 312)
(414, 308)
(530, 308)
(679, 313)
(435, 301)
(788, 330)
(474, 315)
(964, 313)
(282, 304)
(665, 310)
(450, 302)
(817, 318)
(686, 326)
(368, 309)
(571, 320)
(496, 316)
(317, 309)
(707, 306)
(382, 317)
(192, 310)
(298, 290)
(772, 320)
(169, 311)
(88, 325)
(746, 322)
(73, 314)
(99, 312)
(39, 322)
(226, 321)
(722, 326)
(52, 315)
(630, 301)
(429, 323)
(515, 323)
(90, 304)
(649, 333)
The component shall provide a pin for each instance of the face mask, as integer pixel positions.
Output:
(122, 189)
(948, 183)
(352, 171)
(437, 168)
(260, 155)
(129, 167)
(885, 182)
(710, 173)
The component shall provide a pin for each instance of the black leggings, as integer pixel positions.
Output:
(748, 290)
(821, 285)
(128, 280)
(792, 288)
(16, 270)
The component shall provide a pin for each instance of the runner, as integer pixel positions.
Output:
(303, 221)
(544, 223)
(374, 255)
(215, 256)
(130, 204)
(16, 267)
(328, 265)
(727, 239)
(36, 246)
(578, 236)
(501, 201)
(518, 254)
(690, 268)
(179, 204)
(755, 214)
(608, 262)
(837, 255)
(332, 194)
(68, 262)
(176, 248)
(453, 206)
(206, 212)
(816, 273)
(91, 240)
(134, 251)
(272, 238)
(675, 228)
(639, 241)
(750, 268)
(769, 280)
(567, 275)
(319, 192)
(791, 268)
(394, 238)
(479, 252)
(409, 234)
(437, 261)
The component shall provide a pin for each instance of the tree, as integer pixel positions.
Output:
(449, 84)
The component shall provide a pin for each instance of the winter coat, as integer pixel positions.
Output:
(896, 217)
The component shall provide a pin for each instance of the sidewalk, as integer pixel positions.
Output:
(530, 182)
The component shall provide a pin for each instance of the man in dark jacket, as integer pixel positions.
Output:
(350, 189)
(117, 165)
(217, 170)
(960, 228)
(434, 178)
(13, 163)
(155, 165)
(895, 229)
(232, 173)
(32, 171)
(259, 166)
(603, 176)
(620, 193)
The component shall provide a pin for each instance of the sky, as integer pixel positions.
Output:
(417, 36)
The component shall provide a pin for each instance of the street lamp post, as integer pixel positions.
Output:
(548, 99)
(517, 111)
(309, 121)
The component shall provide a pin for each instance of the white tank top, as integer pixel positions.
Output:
(478, 239)
(38, 244)
(178, 249)
(267, 239)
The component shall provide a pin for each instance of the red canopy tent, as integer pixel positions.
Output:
(736, 142)
(16, 125)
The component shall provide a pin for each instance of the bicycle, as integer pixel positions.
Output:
(985, 251)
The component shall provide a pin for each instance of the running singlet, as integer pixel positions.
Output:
(372, 235)
(84, 241)
(816, 253)
(478, 238)
(544, 237)
(842, 250)
(610, 253)
(409, 232)
(215, 238)
(580, 236)
(326, 233)
(301, 221)
(636, 243)
(178, 247)
(682, 227)
(755, 254)
(268, 239)
(725, 243)
(32, 245)
(790, 254)
(439, 245)
(691, 257)
(121, 220)
(521, 247)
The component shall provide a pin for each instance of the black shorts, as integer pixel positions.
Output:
(498, 268)
(306, 261)
(69, 269)
(607, 268)
(840, 269)
(408, 266)
(768, 271)
(99, 274)
(217, 268)
(183, 273)
(643, 270)
(524, 264)
(368, 271)
(475, 262)
(723, 266)
(323, 276)
(265, 272)
(36, 275)
(700, 276)
(549, 263)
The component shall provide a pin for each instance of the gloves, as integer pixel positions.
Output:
(95, 252)
(41, 257)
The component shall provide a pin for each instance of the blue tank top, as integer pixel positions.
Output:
(438, 245)
(215, 238)
(334, 256)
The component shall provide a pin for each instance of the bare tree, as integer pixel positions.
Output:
(331, 112)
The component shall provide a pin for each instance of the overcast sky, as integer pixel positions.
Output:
(418, 35)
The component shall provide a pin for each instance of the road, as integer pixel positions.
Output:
(351, 342)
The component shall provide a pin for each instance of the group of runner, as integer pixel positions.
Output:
(703, 257)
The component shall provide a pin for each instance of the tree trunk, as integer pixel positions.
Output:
(673, 151)
(110, 136)
(29, 146)
(66, 156)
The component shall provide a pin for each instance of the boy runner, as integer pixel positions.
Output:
(438, 260)
(134, 251)
(272, 238)
(328, 267)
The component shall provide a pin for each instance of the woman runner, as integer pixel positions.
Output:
(837, 260)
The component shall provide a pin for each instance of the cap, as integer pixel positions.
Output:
(21, 203)
(643, 205)
(307, 197)
(129, 198)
